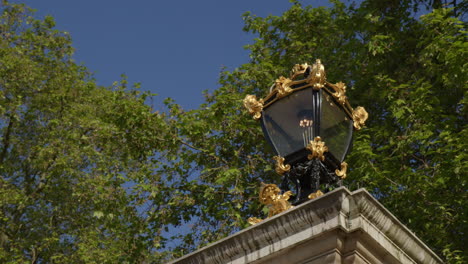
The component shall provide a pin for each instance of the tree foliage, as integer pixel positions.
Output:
(410, 74)
(76, 159)
(93, 174)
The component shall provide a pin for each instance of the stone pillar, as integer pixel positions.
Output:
(339, 227)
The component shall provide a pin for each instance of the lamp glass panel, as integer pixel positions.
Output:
(336, 128)
(289, 122)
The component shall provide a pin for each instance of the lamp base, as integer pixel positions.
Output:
(308, 177)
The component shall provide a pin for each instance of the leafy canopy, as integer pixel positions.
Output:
(410, 74)
(93, 174)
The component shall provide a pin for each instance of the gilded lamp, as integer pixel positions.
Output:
(309, 123)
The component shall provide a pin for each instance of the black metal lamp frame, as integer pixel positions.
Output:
(309, 176)
(306, 175)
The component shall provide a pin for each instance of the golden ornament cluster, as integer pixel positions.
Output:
(318, 148)
(317, 80)
(270, 194)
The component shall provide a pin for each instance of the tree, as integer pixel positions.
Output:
(92, 174)
(408, 72)
(78, 181)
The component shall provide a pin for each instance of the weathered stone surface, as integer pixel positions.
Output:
(339, 227)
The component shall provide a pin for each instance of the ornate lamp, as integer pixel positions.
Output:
(309, 123)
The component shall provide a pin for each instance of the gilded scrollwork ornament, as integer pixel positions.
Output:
(314, 195)
(254, 220)
(270, 195)
(359, 117)
(254, 106)
(317, 75)
(298, 69)
(322, 169)
(340, 93)
(342, 171)
(281, 168)
(282, 86)
(318, 148)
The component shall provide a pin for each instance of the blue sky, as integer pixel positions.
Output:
(173, 48)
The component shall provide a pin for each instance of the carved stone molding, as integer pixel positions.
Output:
(338, 227)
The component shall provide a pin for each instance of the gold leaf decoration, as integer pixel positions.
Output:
(318, 148)
(317, 75)
(254, 220)
(315, 194)
(282, 87)
(342, 172)
(340, 94)
(270, 195)
(298, 69)
(254, 106)
(359, 117)
(280, 167)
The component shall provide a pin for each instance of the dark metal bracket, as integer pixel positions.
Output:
(309, 177)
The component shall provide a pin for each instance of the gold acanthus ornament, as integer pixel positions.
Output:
(254, 106)
(254, 220)
(298, 69)
(281, 168)
(342, 172)
(359, 117)
(270, 195)
(317, 75)
(340, 93)
(282, 86)
(318, 148)
(315, 194)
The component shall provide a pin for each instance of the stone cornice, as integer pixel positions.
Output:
(340, 221)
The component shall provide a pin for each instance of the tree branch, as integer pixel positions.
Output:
(6, 140)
